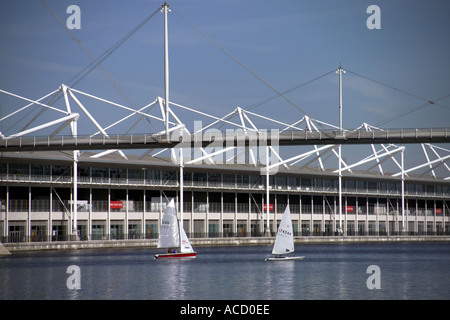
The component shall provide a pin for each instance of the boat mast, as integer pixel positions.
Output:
(180, 225)
(166, 8)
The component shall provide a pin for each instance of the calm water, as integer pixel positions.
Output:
(408, 271)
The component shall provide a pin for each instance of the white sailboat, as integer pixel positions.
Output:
(173, 237)
(284, 241)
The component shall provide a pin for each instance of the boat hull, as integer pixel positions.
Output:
(182, 255)
(285, 258)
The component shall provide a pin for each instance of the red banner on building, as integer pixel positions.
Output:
(270, 207)
(116, 204)
(349, 209)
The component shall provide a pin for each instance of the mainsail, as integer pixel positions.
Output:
(169, 236)
(284, 241)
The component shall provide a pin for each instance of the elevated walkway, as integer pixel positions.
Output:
(287, 138)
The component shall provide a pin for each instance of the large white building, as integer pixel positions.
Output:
(125, 199)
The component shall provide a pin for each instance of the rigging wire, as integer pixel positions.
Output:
(86, 70)
(402, 114)
(253, 106)
(96, 62)
(427, 101)
(280, 94)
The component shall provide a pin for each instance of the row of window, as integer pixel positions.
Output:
(18, 171)
(100, 231)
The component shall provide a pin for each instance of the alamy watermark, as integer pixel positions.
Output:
(74, 20)
(374, 280)
(374, 21)
(74, 280)
(232, 146)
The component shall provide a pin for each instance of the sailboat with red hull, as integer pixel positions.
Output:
(173, 237)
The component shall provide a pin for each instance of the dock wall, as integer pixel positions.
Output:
(235, 241)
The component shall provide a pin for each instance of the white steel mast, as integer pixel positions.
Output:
(165, 8)
(340, 71)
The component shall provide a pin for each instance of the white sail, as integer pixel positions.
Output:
(284, 241)
(185, 243)
(169, 235)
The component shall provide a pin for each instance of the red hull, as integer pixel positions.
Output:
(190, 255)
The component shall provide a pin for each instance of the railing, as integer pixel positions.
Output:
(43, 205)
(138, 141)
(21, 237)
(395, 191)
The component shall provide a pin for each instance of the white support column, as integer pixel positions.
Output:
(267, 231)
(89, 227)
(75, 195)
(403, 192)
(6, 228)
(28, 232)
(340, 71)
(165, 8)
(74, 129)
(50, 215)
(126, 227)
(340, 192)
(144, 209)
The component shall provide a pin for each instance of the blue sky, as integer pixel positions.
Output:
(285, 42)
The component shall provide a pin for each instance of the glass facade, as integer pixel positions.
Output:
(126, 202)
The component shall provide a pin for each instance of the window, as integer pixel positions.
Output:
(40, 170)
(228, 180)
(361, 185)
(153, 176)
(328, 184)
(281, 181)
(199, 178)
(350, 185)
(135, 175)
(293, 182)
(317, 183)
(306, 183)
(18, 169)
(2, 168)
(372, 186)
(99, 174)
(169, 177)
(59, 171)
(242, 180)
(214, 179)
(117, 174)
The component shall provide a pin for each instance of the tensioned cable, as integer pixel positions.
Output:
(428, 102)
(83, 73)
(280, 94)
(253, 106)
(96, 62)
(86, 70)
(390, 87)
(434, 102)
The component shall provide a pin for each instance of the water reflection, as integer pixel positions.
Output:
(280, 279)
(173, 278)
(414, 271)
